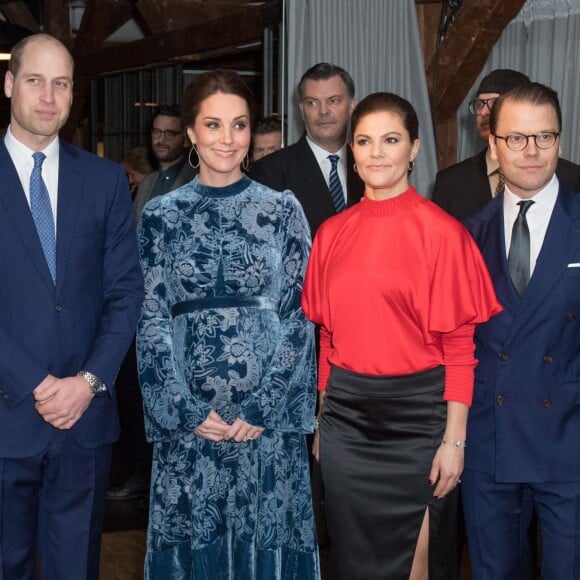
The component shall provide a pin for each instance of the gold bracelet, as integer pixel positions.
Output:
(455, 443)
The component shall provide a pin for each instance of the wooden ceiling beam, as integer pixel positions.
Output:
(245, 25)
(166, 15)
(100, 20)
(464, 51)
(57, 21)
(19, 14)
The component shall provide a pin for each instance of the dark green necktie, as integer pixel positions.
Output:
(519, 254)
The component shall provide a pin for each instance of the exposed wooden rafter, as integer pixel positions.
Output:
(242, 25)
(465, 49)
(458, 61)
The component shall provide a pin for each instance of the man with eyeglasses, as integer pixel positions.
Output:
(523, 431)
(169, 143)
(469, 185)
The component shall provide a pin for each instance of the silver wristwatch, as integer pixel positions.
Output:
(96, 386)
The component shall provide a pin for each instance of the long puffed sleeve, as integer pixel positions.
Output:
(286, 397)
(171, 409)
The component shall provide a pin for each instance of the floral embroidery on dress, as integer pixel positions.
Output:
(222, 329)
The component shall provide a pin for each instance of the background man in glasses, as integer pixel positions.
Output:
(523, 429)
(472, 183)
(170, 146)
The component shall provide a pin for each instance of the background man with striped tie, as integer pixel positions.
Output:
(318, 168)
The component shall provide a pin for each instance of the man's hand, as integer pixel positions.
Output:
(62, 402)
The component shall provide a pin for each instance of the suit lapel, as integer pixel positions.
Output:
(69, 199)
(13, 200)
(495, 254)
(553, 258)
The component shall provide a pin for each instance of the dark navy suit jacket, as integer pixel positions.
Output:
(295, 168)
(524, 425)
(88, 319)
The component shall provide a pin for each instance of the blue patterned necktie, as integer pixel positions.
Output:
(335, 186)
(519, 254)
(42, 213)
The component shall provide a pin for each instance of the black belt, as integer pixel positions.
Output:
(213, 302)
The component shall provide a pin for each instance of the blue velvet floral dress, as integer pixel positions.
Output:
(222, 329)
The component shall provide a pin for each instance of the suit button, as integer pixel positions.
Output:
(548, 359)
(499, 400)
(570, 317)
(503, 356)
(58, 307)
(547, 403)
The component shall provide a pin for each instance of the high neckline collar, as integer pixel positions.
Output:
(392, 205)
(226, 191)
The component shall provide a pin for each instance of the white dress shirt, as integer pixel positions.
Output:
(325, 165)
(22, 159)
(538, 217)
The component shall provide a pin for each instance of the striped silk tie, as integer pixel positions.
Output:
(42, 213)
(334, 185)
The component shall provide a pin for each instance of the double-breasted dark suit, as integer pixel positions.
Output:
(464, 187)
(295, 168)
(85, 321)
(524, 425)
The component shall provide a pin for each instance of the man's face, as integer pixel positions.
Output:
(326, 108)
(528, 171)
(483, 113)
(266, 143)
(167, 139)
(40, 93)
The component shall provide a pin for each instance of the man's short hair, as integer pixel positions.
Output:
(167, 111)
(19, 47)
(264, 125)
(322, 72)
(530, 93)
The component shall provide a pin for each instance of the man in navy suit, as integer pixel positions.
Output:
(326, 94)
(70, 293)
(524, 426)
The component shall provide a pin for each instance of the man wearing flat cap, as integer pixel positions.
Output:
(471, 184)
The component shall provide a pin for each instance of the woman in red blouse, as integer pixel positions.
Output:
(396, 287)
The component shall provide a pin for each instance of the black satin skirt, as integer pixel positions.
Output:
(378, 437)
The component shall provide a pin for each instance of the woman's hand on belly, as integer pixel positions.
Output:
(242, 432)
(213, 427)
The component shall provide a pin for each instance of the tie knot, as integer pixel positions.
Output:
(333, 160)
(525, 206)
(38, 157)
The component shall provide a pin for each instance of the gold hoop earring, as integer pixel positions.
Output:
(189, 157)
(354, 168)
(246, 162)
(411, 166)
